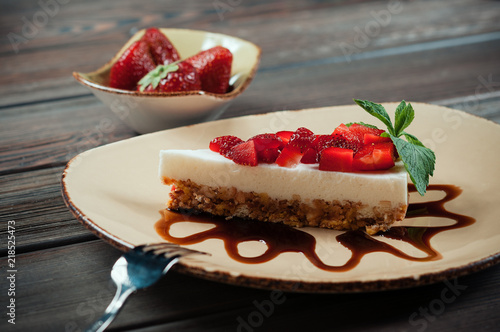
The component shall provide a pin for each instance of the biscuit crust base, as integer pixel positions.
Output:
(228, 202)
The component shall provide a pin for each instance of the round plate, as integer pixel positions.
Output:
(115, 191)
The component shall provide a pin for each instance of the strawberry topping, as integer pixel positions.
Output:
(268, 147)
(348, 149)
(302, 138)
(290, 156)
(223, 144)
(311, 156)
(285, 135)
(336, 159)
(300, 141)
(374, 157)
(244, 154)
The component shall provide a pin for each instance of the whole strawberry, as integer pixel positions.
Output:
(214, 67)
(132, 65)
(174, 77)
(162, 50)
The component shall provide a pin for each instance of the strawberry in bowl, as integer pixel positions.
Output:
(153, 49)
(183, 91)
(208, 70)
(153, 64)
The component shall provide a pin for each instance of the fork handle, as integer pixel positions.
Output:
(122, 293)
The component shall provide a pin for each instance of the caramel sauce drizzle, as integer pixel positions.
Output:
(280, 238)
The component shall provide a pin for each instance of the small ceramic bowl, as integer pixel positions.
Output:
(149, 112)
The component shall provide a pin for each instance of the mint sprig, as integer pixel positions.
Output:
(418, 160)
(154, 77)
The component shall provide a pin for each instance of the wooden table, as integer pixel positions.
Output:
(315, 53)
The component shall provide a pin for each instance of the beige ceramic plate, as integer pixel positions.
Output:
(114, 190)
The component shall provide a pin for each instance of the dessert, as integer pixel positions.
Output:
(355, 177)
(152, 64)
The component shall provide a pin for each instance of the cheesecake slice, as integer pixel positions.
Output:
(299, 195)
(355, 177)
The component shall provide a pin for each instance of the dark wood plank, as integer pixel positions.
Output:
(307, 34)
(72, 22)
(33, 200)
(49, 134)
(184, 303)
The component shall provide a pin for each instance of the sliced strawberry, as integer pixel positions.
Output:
(214, 68)
(347, 139)
(173, 77)
(372, 139)
(268, 147)
(311, 156)
(336, 159)
(322, 142)
(363, 159)
(378, 156)
(132, 65)
(333, 140)
(244, 154)
(268, 156)
(285, 135)
(341, 130)
(223, 144)
(360, 130)
(162, 50)
(267, 141)
(302, 138)
(290, 156)
(325, 141)
(384, 155)
(355, 135)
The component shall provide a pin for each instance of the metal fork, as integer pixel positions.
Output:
(139, 268)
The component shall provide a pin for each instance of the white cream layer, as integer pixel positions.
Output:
(209, 168)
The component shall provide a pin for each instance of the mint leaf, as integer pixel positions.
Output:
(418, 160)
(155, 76)
(412, 139)
(404, 116)
(377, 111)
